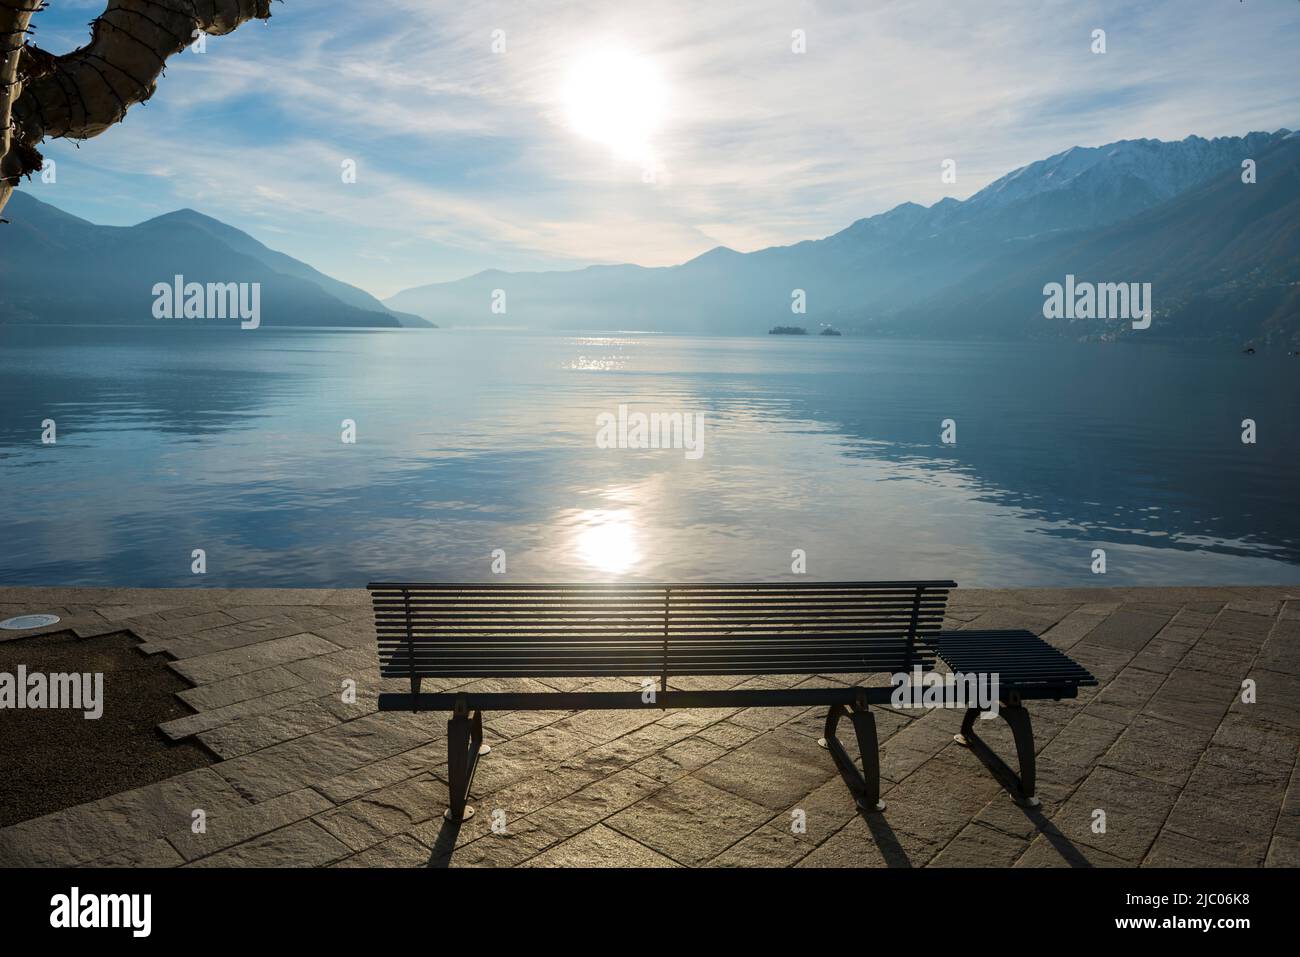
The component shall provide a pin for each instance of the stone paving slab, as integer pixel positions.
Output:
(1163, 764)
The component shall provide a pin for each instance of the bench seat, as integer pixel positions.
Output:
(1024, 663)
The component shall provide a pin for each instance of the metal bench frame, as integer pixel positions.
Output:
(1027, 668)
(893, 625)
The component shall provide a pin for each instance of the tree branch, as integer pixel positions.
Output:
(15, 17)
(82, 93)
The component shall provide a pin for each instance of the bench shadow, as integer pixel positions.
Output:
(886, 841)
(1069, 851)
(890, 848)
(445, 845)
(1001, 772)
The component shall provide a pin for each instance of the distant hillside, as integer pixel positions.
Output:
(1174, 214)
(1223, 259)
(57, 268)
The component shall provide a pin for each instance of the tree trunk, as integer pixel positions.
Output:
(82, 93)
(15, 15)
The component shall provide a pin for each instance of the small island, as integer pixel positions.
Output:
(787, 331)
(828, 331)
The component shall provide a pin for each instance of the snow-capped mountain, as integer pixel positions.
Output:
(1075, 189)
(1163, 169)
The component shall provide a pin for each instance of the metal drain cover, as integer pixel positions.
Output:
(24, 622)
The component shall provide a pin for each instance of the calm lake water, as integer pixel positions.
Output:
(171, 440)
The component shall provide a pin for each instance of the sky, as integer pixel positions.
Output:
(543, 135)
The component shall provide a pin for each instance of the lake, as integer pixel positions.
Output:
(171, 440)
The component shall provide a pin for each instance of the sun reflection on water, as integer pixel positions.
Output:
(607, 540)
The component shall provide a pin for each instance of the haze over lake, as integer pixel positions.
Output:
(171, 440)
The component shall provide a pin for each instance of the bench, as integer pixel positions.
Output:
(458, 633)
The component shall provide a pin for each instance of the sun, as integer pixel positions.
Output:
(618, 99)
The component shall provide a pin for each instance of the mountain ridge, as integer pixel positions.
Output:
(115, 269)
(1225, 264)
(873, 274)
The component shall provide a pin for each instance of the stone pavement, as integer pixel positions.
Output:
(1187, 775)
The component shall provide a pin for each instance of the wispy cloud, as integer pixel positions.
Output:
(465, 159)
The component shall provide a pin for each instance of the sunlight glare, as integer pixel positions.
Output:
(616, 98)
(608, 541)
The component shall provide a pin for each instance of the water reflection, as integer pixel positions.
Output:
(607, 540)
(470, 442)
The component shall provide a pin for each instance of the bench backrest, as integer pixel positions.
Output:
(638, 630)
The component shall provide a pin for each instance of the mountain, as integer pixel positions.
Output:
(241, 242)
(932, 270)
(1222, 257)
(58, 268)
(1110, 183)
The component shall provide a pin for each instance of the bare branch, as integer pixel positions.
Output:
(15, 17)
(82, 93)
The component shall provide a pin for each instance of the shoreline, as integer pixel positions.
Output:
(293, 595)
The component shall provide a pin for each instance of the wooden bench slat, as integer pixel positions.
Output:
(641, 586)
(681, 607)
(578, 653)
(453, 629)
(1018, 657)
(601, 671)
(614, 618)
(679, 631)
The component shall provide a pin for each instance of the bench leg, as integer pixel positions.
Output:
(464, 747)
(477, 735)
(867, 782)
(1017, 716)
(832, 721)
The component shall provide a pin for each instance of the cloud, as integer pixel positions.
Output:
(464, 159)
